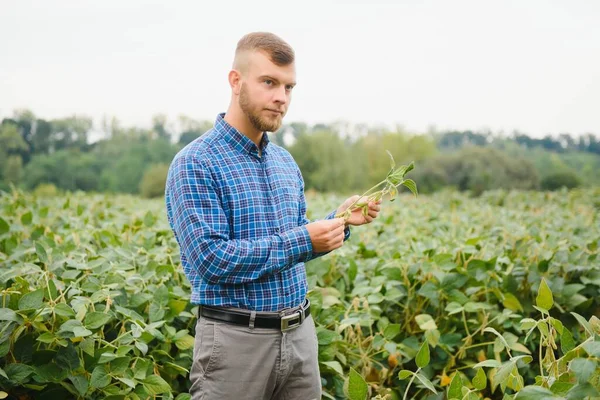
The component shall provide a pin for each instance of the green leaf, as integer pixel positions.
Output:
(161, 295)
(502, 373)
(334, 365)
(557, 325)
(391, 331)
(41, 252)
(87, 345)
(185, 342)
(455, 388)
(80, 331)
(583, 391)
(32, 300)
(566, 341)
(425, 322)
(95, 319)
(17, 372)
(68, 358)
(80, 382)
(352, 270)
(528, 323)
(426, 382)
(403, 374)
(141, 346)
(106, 357)
(155, 384)
(4, 227)
(357, 387)
(488, 363)
(495, 332)
(2, 373)
(592, 348)
(480, 380)
(511, 302)
(422, 358)
(99, 377)
(586, 325)
(544, 298)
(27, 218)
(6, 314)
(46, 337)
(535, 393)
(582, 368)
(64, 310)
(129, 382)
(123, 350)
(411, 185)
(454, 308)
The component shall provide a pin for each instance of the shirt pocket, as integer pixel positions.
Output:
(287, 200)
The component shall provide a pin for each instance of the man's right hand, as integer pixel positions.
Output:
(326, 235)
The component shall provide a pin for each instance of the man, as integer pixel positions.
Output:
(236, 205)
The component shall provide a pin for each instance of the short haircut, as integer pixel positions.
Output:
(279, 51)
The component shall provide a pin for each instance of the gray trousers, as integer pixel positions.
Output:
(236, 362)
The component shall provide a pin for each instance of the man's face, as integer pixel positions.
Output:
(266, 91)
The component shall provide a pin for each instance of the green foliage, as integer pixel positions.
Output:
(465, 278)
(45, 190)
(93, 302)
(394, 178)
(559, 180)
(154, 181)
(477, 169)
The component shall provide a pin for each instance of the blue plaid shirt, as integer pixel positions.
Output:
(239, 221)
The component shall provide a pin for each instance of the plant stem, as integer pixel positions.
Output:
(410, 383)
(478, 344)
(465, 322)
(361, 196)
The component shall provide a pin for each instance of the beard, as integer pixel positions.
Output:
(253, 112)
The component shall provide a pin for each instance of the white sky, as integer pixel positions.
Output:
(531, 65)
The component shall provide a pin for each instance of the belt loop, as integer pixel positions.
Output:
(252, 318)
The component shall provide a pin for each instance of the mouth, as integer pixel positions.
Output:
(274, 111)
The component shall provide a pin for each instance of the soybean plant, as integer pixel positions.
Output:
(394, 178)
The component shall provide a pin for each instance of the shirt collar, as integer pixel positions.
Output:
(240, 141)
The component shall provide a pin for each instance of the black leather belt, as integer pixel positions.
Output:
(286, 320)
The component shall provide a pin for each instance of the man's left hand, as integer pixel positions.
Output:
(357, 217)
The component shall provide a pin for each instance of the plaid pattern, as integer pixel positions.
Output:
(239, 221)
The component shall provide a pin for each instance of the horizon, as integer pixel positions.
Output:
(469, 65)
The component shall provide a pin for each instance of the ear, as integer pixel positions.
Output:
(235, 81)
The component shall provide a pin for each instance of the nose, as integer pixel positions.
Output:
(280, 95)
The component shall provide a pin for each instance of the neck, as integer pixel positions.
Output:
(236, 118)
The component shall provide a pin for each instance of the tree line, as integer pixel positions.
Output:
(71, 154)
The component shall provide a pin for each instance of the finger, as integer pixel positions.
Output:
(336, 223)
(336, 233)
(375, 206)
(373, 214)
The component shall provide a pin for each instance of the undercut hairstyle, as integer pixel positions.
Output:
(279, 51)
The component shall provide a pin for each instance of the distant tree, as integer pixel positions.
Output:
(12, 148)
(154, 181)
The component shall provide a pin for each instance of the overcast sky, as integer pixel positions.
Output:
(531, 65)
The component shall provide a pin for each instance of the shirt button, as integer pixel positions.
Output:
(277, 230)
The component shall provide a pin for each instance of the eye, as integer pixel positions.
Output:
(268, 82)
(289, 87)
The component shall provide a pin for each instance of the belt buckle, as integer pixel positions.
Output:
(285, 321)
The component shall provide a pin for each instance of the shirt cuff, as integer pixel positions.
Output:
(297, 244)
